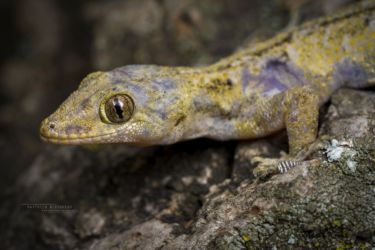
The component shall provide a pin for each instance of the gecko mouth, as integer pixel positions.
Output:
(98, 139)
(73, 134)
(77, 139)
(48, 133)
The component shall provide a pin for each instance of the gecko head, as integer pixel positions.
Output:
(134, 104)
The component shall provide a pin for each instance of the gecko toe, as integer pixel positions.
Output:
(285, 166)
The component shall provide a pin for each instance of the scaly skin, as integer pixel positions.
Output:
(276, 84)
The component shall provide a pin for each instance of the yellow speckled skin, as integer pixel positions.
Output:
(273, 85)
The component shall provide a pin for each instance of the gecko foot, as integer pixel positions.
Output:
(269, 166)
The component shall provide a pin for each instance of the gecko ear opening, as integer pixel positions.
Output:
(118, 108)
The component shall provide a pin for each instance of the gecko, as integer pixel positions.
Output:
(270, 86)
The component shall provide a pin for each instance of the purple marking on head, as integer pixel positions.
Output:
(140, 94)
(164, 106)
(136, 91)
(116, 81)
(118, 76)
(163, 84)
(159, 111)
(134, 88)
(349, 73)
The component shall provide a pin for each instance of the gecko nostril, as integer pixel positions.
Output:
(51, 125)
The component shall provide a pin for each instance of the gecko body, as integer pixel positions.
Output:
(270, 86)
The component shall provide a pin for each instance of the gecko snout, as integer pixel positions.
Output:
(65, 133)
(47, 128)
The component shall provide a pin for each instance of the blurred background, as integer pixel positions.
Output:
(48, 46)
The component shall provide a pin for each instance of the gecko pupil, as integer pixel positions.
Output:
(119, 108)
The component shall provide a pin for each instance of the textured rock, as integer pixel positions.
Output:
(327, 206)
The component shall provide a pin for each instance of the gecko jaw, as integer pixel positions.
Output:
(74, 139)
(114, 135)
(100, 139)
(48, 133)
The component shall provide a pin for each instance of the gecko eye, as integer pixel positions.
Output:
(119, 108)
